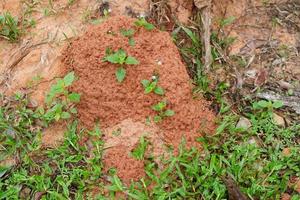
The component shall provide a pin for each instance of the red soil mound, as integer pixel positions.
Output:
(110, 102)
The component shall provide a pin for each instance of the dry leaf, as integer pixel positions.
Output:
(234, 192)
(202, 3)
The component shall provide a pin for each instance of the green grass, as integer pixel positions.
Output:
(9, 27)
(253, 158)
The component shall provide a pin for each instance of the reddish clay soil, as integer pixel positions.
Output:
(128, 168)
(109, 102)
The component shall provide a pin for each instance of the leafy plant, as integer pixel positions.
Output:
(60, 101)
(121, 58)
(163, 112)
(129, 34)
(143, 23)
(152, 86)
(140, 150)
(9, 27)
(269, 105)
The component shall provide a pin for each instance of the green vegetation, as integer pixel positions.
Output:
(129, 34)
(151, 86)
(253, 158)
(261, 159)
(140, 150)
(9, 27)
(162, 111)
(143, 23)
(121, 58)
(60, 101)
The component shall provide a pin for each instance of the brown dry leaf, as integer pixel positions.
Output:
(234, 192)
(202, 3)
(286, 151)
(285, 196)
(261, 78)
(297, 186)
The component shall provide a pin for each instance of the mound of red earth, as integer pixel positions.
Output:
(125, 105)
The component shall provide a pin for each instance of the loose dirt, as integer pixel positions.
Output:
(108, 102)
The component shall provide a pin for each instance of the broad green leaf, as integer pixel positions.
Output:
(160, 106)
(58, 88)
(118, 183)
(65, 115)
(69, 78)
(159, 91)
(127, 33)
(148, 89)
(117, 57)
(73, 110)
(145, 83)
(263, 103)
(277, 104)
(131, 61)
(57, 116)
(74, 97)
(120, 74)
(131, 42)
(143, 23)
(149, 26)
(157, 118)
(191, 35)
(113, 58)
(122, 55)
(169, 113)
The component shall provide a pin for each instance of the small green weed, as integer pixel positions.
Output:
(60, 101)
(9, 27)
(163, 112)
(191, 52)
(121, 58)
(140, 150)
(269, 105)
(152, 86)
(129, 34)
(143, 23)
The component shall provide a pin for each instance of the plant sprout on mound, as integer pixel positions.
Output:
(129, 33)
(152, 86)
(121, 58)
(143, 23)
(162, 111)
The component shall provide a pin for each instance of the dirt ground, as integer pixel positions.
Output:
(266, 38)
(109, 102)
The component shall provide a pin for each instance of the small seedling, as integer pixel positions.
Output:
(140, 150)
(269, 105)
(163, 112)
(151, 86)
(121, 58)
(59, 99)
(9, 27)
(129, 34)
(143, 23)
